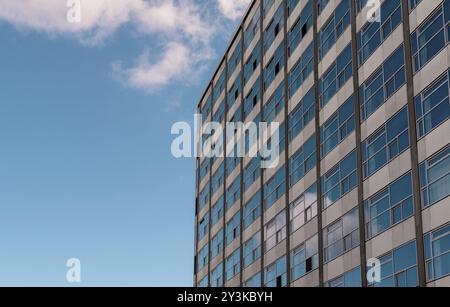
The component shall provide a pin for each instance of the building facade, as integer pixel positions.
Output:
(364, 173)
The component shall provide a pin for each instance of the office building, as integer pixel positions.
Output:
(364, 172)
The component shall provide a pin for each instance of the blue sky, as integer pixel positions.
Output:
(86, 110)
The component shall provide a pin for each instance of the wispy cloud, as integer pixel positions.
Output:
(174, 59)
(233, 9)
(181, 27)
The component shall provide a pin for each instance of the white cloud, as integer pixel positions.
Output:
(101, 18)
(233, 9)
(184, 29)
(145, 74)
(175, 62)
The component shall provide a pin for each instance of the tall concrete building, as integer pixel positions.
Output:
(364, 172)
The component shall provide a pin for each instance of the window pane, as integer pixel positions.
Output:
(401, 189)
(437, 116)
(381, 223)
(405, 257)
(442, 266)
(438, 170)
(412, 277)
(379, 207)
(353, 279)
(441, 245)
(440, 189)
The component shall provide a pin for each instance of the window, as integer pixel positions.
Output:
(233, 228)
(237, 116)
(219, 86)
(252, 172)
(389, 207)
(234, 92)
(305, 258)
(275, 104)
(302, 115)
(203, 198)
(275, 231)
(204, 169)
(413, 4)
(252, 63)
(437, 253)
(360, 4)
(217, 244)
(217, 211)
(431, 37)
(304, 208)
(202, 258)
(252, 250)
(218, 179)
(334, 27)
(233, 265)
(268, 4)
(435, 178)
(251, 136)
(219, 116)
(336, 76)
(252, 98)
(302, 70)
(234, 192)
(232, 162)
(351, 279)
(386, 144)
(274, 28)
(300, 27)
(303, 161)
(373, 34)
(433, 106)
(387, 80)
(203, 283)
(217, 276)
(340, 180)
(206, 110)
(204, 139)
(291, 5)
(399, 267)
(275, 188)
(338, 127)
(342, 236)
(274, 66)
(254, 281)
(252, 28)
(234, 59)
(252, 210)
(281, 143)
(203, 227)
(322, 4)
(275, 274)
